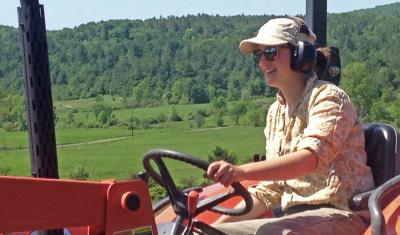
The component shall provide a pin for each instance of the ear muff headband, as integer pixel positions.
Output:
(304, 54)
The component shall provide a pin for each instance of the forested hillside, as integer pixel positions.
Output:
(370, 49)
(179, 59)
(193, 59)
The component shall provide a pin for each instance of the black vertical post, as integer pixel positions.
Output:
(316, 14)
(39, 104)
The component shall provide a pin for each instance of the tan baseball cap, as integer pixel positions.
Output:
(277, 32)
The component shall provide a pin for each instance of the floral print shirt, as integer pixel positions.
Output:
(325, 122)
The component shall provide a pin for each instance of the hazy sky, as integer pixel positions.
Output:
(70, 13)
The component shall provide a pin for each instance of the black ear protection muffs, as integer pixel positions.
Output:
(304, 54)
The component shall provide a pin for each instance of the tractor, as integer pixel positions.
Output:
(44, 204)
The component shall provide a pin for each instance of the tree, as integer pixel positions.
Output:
(237, 110)
(102, 118)
(219, 105)
(234, 87)
(222, 154)
(256, 117)
(359, 84)
(194, 59)
(102, 113)
(181, 91)
(219, 109)
(197, 121)
(12, 113)
(3, 93)
(174, 116)
(198, 92)
(257, 87)
(134, 123)
(80, 173)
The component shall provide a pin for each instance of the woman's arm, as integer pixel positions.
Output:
(289, 166)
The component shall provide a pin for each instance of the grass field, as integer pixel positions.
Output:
(121, 158)
(17, 140)
(82, 111)
(85, 114)
(117, 152)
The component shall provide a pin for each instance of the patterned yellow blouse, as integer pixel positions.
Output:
(325, 122)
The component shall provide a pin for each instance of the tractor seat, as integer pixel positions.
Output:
(382, 145)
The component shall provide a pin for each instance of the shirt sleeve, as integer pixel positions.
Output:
(331, 119)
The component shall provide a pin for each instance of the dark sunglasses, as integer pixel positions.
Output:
(269, 54)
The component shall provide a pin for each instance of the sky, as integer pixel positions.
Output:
(70, 13)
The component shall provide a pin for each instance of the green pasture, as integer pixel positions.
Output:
(13, 140)
(18, 140)
(124, 114)
(121, 158)
(87, 104)
(82, 111)
(182, 110)
(117, 152)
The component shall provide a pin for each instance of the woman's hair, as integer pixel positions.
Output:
(327, 65)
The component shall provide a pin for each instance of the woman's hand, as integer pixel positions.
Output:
(224, 173)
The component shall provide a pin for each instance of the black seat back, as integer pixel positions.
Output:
(382, 147)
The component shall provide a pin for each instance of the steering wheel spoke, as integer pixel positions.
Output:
(176, 196)
(165, 175)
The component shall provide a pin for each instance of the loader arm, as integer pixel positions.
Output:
(106, 207)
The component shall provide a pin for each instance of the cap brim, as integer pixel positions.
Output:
(250, 45)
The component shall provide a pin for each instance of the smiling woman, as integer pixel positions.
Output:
(313, 135)
(312, 138)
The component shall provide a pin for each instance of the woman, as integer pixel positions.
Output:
(314, 144)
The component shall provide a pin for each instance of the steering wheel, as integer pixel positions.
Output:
(178, 198)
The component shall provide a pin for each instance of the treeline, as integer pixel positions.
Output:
(370, 47)
(195, 59)
(178, 60)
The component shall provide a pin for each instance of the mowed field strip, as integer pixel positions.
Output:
(118, 155)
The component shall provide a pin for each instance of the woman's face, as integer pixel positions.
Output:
(277, 72)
